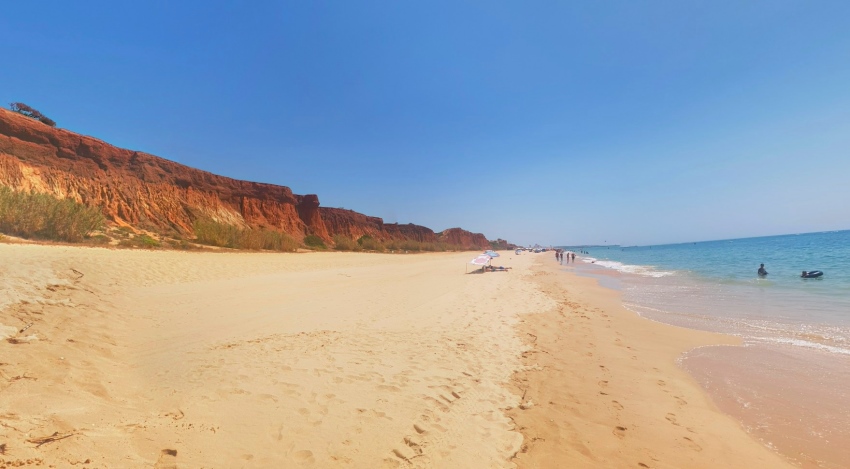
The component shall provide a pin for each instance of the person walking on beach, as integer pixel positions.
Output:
(762, 272)
(574, 257)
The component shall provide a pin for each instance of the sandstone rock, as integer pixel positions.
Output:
(145, 191)
(461, 237)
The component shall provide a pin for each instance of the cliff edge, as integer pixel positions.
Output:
(147, 192)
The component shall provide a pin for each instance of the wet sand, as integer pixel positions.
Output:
(794, 401)
(183, 360)
(606, 390)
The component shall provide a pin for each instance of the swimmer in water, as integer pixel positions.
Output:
(762, 272)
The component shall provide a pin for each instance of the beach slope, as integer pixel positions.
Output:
(119, 358)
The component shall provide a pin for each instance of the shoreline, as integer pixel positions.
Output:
(789, 398)
(613, 394)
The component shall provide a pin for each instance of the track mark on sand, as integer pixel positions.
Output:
(692, 444)
(167, 459)
(304, 456)
(619, 432)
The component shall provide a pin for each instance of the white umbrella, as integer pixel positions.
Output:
(483, 259)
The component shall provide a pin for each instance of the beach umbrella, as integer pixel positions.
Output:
(483, 259)
(491, 253)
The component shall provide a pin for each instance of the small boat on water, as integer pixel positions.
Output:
(812, 274)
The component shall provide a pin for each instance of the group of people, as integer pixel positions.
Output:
(559, 255)
(806, 273)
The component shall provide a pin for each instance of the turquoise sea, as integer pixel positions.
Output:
(713, 285)
(789, 384)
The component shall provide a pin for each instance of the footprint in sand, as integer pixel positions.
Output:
(692, 444)
(304, 457)
(619, 432)
(672, 419)
(661, 382)
(167, 459)
(440, 405)
(419, 428)
(413, 444)
(617, 405)
(603, 383)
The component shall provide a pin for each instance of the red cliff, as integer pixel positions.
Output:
(461, 237)
(145, 191)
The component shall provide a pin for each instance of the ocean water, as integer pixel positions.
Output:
(713, 285)
(789, 384)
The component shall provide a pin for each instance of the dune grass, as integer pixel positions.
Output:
(213, 233)
(42, 216)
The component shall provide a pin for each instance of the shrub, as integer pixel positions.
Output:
(370, 244)
(33, 215)
(99, 239)
(146, 241)
(140, 241)
(314, 241)
(342, 243)
(214, 233)
(28, 111)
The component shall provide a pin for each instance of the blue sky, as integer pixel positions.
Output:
(550, 122)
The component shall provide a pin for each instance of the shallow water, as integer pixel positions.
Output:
(788, 384)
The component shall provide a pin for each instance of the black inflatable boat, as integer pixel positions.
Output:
(812, 274)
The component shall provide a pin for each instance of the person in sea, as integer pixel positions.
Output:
(762, 272)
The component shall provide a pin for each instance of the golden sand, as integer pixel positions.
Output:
(187, 360)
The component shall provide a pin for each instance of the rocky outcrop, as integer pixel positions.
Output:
(461, 237)
(353, 225)
(145, 191)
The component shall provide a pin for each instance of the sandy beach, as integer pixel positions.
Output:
(165, 359)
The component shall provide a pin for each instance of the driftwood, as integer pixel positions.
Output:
(56, 436)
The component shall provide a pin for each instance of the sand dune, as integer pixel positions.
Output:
(186, 360)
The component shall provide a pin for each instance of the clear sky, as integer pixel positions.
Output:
(632, 122)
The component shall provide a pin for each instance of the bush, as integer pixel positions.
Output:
(146, 241)
(315, 242)
(140, 241)
(99, 239)
(32, 215)
(214, 233)
(341, 243)
(25, 110)
(370, 244)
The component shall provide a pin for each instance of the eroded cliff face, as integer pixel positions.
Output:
(354, 225)
(461, 237)
(142, 190)
(145, 191)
